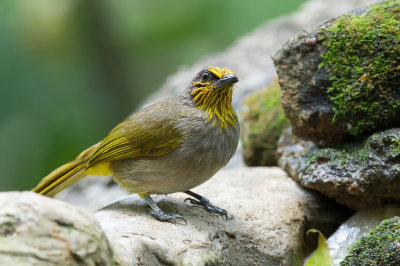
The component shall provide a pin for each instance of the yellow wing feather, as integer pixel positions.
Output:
(134, 142)
(148, 133)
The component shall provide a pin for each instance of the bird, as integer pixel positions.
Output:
(170, 146)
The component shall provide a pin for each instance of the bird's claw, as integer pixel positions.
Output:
(205, 203)
(164, 217)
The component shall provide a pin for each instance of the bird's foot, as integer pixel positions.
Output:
(164, 217)
(205, 203)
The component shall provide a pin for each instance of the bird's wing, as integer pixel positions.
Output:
(149, 133)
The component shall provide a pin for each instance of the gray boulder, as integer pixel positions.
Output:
(360, 175)
(268, 215)
(291, 152)
(36, 230)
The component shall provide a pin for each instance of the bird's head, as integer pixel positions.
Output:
(211, 91)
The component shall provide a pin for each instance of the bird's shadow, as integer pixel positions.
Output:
(196, 216)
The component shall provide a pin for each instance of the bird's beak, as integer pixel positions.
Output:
(227, 80)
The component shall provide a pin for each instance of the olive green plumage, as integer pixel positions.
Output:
(170, 146)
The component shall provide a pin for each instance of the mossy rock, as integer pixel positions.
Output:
(381, 246)
(341, 79)
(262, 123)
(361, 174)
(363, 62)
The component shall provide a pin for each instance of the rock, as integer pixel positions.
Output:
(35, 230)
(356, 227)
(262, 122)
(268, 215)
(381, 246)
(360, 175)
(291, 152)
(304, 85)
(337, 78)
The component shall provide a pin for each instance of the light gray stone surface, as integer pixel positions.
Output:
(35, 230)
(268, 215)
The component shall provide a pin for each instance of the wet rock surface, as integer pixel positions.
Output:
(291, 152)
(357, 174)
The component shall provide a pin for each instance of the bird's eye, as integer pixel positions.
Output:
(205, 76)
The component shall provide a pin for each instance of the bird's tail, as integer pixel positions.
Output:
(65, 175)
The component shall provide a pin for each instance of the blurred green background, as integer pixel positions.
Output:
(70, 70)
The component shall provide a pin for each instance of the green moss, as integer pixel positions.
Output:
(262, 126)
(342, 154)
(395, 146)
(116, 262)
(213, 261)
(381, 246)
(363, 62)
(349, 154)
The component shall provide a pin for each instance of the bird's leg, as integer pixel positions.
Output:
(205, 203)
(159, 214)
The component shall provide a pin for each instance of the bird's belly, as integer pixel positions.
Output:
(179, 170)
(162, 175)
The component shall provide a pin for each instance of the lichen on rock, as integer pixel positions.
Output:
(363, 61)
(263, 121)
(381, 246)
